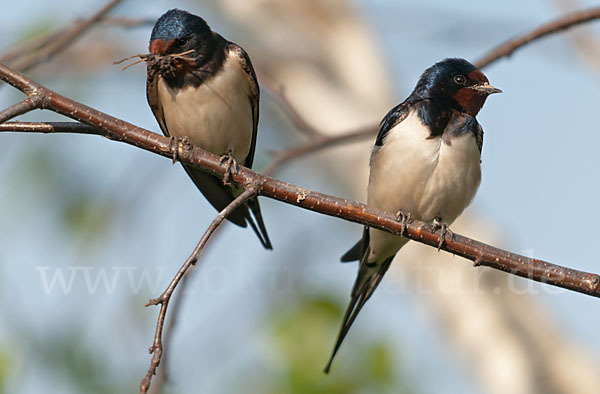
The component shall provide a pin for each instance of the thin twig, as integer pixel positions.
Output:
(162, 372)
(102, 124)
(127, 22)
(35, 44)
(278, 92)
(284, 156)
(157, 347)
(562, 23)
(50, 46)
(18, 109)
(29, 46)
(148, 57)
(584, 40)
(52, 127)
(320, 141)
(478, 252)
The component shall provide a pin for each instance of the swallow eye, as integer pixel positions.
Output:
(183, 41)
(460, 80)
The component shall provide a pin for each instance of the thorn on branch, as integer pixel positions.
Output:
(154, 301)
(301, 197)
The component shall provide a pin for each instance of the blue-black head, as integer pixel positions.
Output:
(178, 31)
(456, 83)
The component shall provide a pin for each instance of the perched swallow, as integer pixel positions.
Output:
(425, 163)
(208, 94)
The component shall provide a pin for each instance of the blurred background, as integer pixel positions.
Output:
(91, 229)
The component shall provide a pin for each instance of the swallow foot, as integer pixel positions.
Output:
(176, 146)
(404, 219)
(173, 145)
(231, 167)
(439, 224)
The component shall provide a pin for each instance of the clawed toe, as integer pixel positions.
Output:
(176, 144)
(438, 224)
(173, 147)
(403, 218)
(232, 167)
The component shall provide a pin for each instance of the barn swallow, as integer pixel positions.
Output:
(425, 164)
(208, 95)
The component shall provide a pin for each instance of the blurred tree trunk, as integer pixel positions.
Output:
(333, 72)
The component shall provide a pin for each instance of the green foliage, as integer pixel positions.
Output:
(4, 371)
(84, 215)
(302, 336)
(37, 29)
(68, 359)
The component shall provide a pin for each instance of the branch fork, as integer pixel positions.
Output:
(91, 121)
(157, 346)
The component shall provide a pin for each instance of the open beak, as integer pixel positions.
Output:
(486, 88)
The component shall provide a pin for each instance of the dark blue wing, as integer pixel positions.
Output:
(391, 119)
(464, 124)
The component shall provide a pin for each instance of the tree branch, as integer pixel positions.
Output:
(278, 92)
(316, 144)
(53, 43)
(17, 109)
(320, 141)
(94, 122)
(127, 22)
(161, 374)
(562, 23)
(157, 347)
(51, 127)
(478, 252)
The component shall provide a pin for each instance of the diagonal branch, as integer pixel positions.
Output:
(53, 43)
(17, 109)
(29, 46)
(562, 23)
(278, 92)
(584, 40)
(316, 144)
(157, 346)
(161, 374)
(318, 141)
(478, 252)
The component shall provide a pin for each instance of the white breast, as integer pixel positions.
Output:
(216, 116)
(426, 177)
(454, 181)
(402, 167)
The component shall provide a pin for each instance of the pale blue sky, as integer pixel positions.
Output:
(539, 188)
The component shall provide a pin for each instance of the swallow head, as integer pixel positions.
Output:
(456, 83)
(178, 31)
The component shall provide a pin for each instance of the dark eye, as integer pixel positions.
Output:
(460, 80)
(183, 40)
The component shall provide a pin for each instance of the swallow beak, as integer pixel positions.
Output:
(486, 88)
